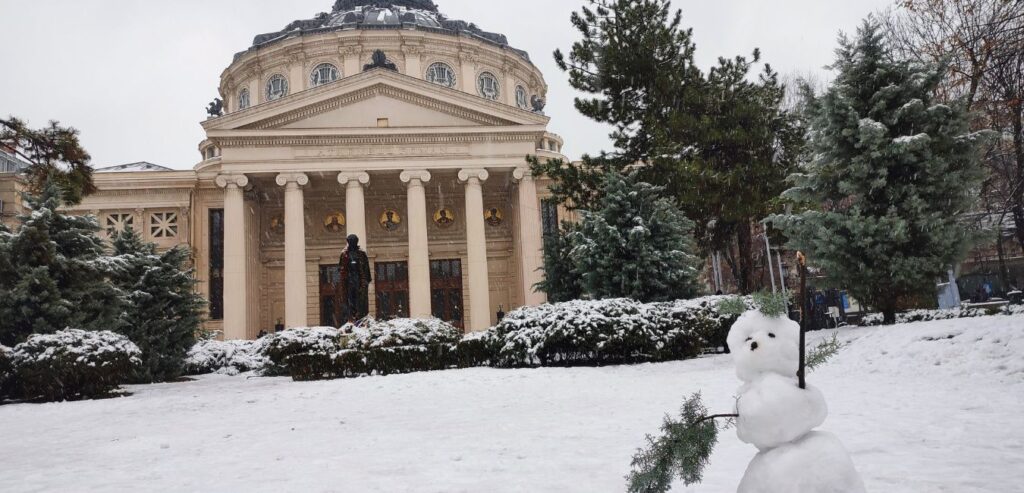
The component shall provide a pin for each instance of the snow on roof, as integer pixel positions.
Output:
(131, 167)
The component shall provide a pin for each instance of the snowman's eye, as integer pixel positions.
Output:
(749, 338)
(771, 335)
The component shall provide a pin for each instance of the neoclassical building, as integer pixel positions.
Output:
(420, 151)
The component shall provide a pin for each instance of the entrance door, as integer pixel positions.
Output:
(392, 285)
(332, 296)
(446, 291)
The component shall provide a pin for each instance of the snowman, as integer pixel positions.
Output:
(779, 418)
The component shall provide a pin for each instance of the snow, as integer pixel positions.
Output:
(909, 425)
(817, 463)
(761, 345)
(774, 410)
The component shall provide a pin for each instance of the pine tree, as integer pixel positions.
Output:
(53, 273)
(54, 156)
(719, 142)
(634, 244)
(889, 176)
(163, 311)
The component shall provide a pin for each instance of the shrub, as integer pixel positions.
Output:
(922, 315)
(73, 364)
(400, 332)
(227, 357)
(605, 332)
(277, 348)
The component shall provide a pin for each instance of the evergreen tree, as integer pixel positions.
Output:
(54, 156)
(719, 143)
(561, 281)
(890, 174)
(163, 312)
(53, 273)
(634, 244)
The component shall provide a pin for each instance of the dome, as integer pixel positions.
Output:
(383, 14)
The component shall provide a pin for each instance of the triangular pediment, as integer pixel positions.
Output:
(374, 99)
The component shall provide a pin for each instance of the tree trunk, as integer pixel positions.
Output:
(1018, 187)
(1004, 274)
(746, 258)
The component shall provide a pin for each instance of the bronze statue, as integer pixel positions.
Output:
(355, 277)
(216, 108)
(380, 60)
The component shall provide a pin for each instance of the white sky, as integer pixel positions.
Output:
(135, 76)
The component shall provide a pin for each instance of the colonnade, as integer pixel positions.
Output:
(295, 296)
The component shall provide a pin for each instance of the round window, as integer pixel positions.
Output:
(323, 74)
(277, 87)
(441, 74)
(487, 84)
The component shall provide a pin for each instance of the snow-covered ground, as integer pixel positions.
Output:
(925, 407)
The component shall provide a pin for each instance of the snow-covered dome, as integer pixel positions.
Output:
(383, 14)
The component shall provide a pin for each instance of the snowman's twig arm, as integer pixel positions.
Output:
(715, 416)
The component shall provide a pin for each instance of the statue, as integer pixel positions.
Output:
(538, 104)
(216, 108)
(380, 60)
(355, 276)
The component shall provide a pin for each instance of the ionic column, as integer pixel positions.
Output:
(419, 257)
(476, 250)
(530, 242)
(295, 302)
(235, 320)
(355, 203)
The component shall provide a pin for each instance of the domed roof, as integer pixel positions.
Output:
(383, 14)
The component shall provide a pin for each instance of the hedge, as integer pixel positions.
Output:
(72, 364)
(922, 315)
(227, 357)
(6, 371)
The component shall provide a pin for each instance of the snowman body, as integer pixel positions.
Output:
(779, 418)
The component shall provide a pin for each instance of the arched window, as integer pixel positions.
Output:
(243, 99)
(323, 74)
(441, 74)
(521, 101)
(277, 87)
(487, 84)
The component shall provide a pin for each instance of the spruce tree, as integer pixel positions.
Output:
(561, 281)
(163, 312)
(889, 175)
(634, 244)
(53, 273)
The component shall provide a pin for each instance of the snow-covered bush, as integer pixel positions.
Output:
(400, 332)
(610, 331)
(922, 315)
(227, 357)
(73, 364)
(277, 348)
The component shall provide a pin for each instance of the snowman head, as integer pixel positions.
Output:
(762, 344)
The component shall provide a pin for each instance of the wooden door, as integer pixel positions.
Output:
(332, 296)
(446, 291)
(392, 286)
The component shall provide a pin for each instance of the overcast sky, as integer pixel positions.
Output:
(135, 76)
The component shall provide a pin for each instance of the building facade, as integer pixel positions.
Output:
(420, 151)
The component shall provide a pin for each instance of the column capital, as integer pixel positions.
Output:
(408, 176)
(522, 173)
(468, 174)
(299, 179)
(353, 176)
(227, 179)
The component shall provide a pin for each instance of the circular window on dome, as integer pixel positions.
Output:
(487, 84)
(521, 101)
(441, 74)
(324, 73)
(277, 87)
(243, 99)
